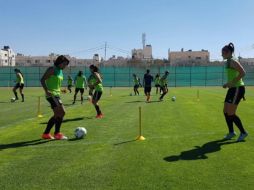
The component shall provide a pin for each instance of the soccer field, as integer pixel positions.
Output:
(183, 147)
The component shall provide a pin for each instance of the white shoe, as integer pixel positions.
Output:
(242, 137)
(230, 136)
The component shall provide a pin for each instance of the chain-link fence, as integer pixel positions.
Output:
(122, 76)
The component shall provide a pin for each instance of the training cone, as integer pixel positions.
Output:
(140, 138)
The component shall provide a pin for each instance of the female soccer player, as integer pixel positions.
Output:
(19, 84)
(70, 83)
(157, 83)
(95, 82)
(136, 81)
(236, 91)
(80, 83)
(164, 85)
(51, 83)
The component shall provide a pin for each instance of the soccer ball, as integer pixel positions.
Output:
(80, 132)
(13, 99)
(173, 98)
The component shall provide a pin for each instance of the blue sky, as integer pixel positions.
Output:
(36, 27)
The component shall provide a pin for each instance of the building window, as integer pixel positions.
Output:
(198, 58)
(48, 61)
(37, 61)
(28, 61)
(5, 55)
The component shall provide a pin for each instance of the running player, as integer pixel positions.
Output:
(51, 83)
(136, 81)
(147, 84)
(157, 83)
(70, 83)
(164, 85)
(80, 84)
(236, 91)
(95, 82)
(19, 84)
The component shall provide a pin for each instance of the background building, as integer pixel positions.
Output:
(143, 54)
(188, 57)
(23, 60)
(7, 57)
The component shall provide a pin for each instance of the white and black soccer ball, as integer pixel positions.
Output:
(13, 99)
(80, 132)
(173, 98)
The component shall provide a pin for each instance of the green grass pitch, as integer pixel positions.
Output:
(183, 147)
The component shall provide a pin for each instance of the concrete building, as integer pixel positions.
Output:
(23, 60)
(188, 57)
(246, 61)
(142, 54)
(7, 57)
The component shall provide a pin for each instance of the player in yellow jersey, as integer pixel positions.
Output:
(51, 82)
(19, 84)
(236, 90)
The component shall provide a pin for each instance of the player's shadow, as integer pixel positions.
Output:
(4, 102)
(199, 152)
(134, 101)
(22, 144)
(73, 119)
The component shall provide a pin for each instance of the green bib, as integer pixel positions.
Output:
(20, 79)
(157, 81)
(54, 82)
(136, 81)
(232, 74)
(70, 82)
(80, 81)
(92, 80)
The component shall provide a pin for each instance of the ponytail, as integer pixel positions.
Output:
(230, 47)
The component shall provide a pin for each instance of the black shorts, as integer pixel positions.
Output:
(97, 96)
(147, 89)
(79, 89)
(55, 101)
(19, 85)
(157, 85)
(136, 86)
(235, 94)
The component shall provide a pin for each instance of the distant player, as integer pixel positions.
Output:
(80, 84)
(19, 84)
(95, 82)
(236, 91)
(164, 85)
(51, 83)
(147, 84)
(70, 83)
(136, 81)
(157, 83)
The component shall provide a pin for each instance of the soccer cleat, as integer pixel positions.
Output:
(60, 136)
(100, 116)
(230, 136)
(47, 136)
(242, 137)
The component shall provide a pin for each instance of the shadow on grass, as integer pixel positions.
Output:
(75, 139)
(23, 144)
(73, 119)
(134, 101)
(199, 152)
(124, 142)
(4, 102)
